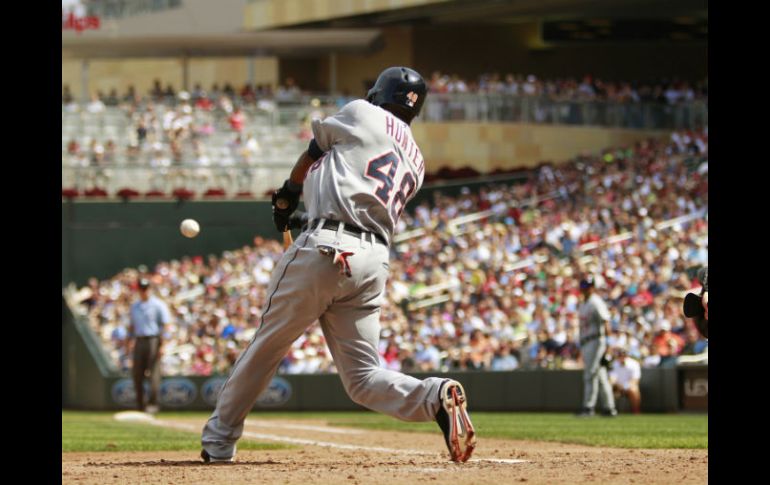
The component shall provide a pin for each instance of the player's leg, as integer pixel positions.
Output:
(352, 335)
(139, 368)
(351, 326)
(296, 296)
(352, 330)
(154, 366)
(635, 397)
(591, 364)
(606, 398)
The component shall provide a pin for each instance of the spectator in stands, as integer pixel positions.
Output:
(130, 96)
(490, 306)
(66, 96)
(96, 106)
(157, 90)
(110, 151)
(112, 98)
(504, 360)
(695, 344)
(653, 359)
(202, 101)
(73, 147)
(667, 343)
(141, 131)
(624, 377)
(237, 120)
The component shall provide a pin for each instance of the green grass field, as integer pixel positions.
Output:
(92, 431)
(86, 431)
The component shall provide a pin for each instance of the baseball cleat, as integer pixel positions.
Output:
(453, 419)
(212, 459)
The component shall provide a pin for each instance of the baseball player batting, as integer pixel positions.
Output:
(357, 175)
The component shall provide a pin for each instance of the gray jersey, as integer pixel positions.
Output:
(372, 167)
(593, 313)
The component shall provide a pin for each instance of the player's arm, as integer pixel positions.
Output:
(165, 320)
(300, 169)
(286, 199)
(131, 338)
(326, 133)
(604, 315)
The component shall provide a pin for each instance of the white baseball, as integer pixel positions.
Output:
(190, 227)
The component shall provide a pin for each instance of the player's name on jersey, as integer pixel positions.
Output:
(399, 132)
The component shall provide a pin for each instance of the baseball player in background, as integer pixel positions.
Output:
(594, 329)
(148, 316)
(359, 171)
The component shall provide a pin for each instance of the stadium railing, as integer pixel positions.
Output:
(495, 107)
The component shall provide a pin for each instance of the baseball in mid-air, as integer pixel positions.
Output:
(190, 227)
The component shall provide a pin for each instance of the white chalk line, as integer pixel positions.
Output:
(329, 444)
(302, 427)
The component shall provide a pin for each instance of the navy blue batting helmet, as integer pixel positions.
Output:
(400, 89)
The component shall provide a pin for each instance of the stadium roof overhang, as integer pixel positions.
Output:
(285, 43)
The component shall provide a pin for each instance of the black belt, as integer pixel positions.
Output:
(349, 229)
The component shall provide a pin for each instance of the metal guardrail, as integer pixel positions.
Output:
(104, 362)
(232, 179)
(127, 8)
(547, 110)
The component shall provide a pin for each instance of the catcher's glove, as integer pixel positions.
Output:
(285, 202)
(606, 360)
(693, 308)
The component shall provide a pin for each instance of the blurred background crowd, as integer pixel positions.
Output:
(484, 280)
(219, 141)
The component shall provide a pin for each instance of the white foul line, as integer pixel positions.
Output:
(328, 444)
(302, 427)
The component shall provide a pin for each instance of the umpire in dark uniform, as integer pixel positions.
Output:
(148, 316)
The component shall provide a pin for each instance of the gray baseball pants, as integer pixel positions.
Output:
(146, 357)
(306, 286)
(595, 379)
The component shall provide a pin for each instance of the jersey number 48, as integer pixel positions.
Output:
(383, 169)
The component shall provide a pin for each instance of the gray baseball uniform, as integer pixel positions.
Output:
(371, 168)
(593, 342)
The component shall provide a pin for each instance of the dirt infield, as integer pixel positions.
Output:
(333, 455)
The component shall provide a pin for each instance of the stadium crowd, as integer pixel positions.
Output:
(587, 87)
(505, 286)
(201, 140)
